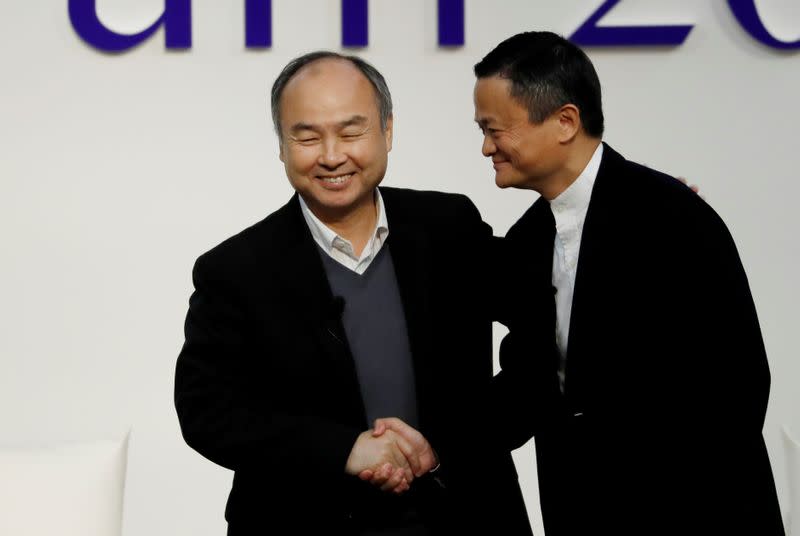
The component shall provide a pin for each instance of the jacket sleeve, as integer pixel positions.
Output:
(732, 373)
(217, 398)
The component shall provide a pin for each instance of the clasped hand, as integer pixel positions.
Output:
(391, 455)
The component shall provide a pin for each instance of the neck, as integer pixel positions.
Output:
(579, 152)
(355, 224)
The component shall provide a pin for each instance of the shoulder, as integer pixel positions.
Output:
(239, 253)
(649, 193)
(429, 206)
(660, 205)
(430, 200)
(624, 178)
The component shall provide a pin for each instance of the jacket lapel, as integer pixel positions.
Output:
(590, 279)
(301, 269)
(410, 248)
(304, 287)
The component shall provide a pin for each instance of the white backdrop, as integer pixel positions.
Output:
(116, 171)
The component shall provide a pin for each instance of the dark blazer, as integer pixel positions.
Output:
(266, 385)
(659, 430)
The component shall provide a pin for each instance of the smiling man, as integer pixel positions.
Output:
(659, 430)
(339, 308)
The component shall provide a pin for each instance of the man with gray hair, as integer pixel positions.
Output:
(341, 307)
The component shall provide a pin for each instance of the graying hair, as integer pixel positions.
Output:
(382, 95)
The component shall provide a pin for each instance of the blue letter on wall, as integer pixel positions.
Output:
(355, 25)
(590, 34)
(745, 12)
(451, 23)
(177, 21)
(258, 23)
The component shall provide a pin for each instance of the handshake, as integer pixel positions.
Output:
(391, 455)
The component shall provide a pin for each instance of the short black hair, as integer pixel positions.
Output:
(546, 72)
(382, 95)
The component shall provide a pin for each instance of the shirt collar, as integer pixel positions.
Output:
(576, 198)
(327, 238)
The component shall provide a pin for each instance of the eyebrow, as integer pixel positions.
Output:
(354, 120)
(301, 126)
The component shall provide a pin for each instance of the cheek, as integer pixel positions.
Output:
(516, 154)
(301, 159)
(366, 153)
(508, 146)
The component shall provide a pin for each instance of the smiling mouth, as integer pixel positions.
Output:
(338, 179)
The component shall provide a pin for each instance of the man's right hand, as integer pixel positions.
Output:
(415, 446)
(380, 460)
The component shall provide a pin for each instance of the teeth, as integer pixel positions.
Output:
(337, 180)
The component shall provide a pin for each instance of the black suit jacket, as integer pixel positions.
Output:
(659, 430)
(266, 385)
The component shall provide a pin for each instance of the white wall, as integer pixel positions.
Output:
(116, 171)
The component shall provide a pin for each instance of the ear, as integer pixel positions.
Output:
(388, 132)
(569, 122)
(280, 151)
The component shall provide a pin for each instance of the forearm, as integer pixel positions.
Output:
(241, 432)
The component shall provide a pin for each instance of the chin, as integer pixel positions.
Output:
(503, 182)
(342, 201)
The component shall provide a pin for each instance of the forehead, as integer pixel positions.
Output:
(493, 99)
(492, 90)
(328, 88)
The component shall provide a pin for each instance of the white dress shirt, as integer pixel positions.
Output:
(569, 210)
(341, 249)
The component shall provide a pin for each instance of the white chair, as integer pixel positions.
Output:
(792, 448)
(67, 490)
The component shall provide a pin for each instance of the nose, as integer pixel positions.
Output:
(331, 156)
(488, 148)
